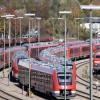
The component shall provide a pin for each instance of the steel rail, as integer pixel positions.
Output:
(7, 96)
(85, 83)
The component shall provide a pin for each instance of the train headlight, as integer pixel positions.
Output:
(96, 64)
(63, 87)
(73, 92)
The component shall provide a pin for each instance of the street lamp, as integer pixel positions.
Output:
(4, 16)
(65, 14)
(38, 26)
(90, 8)
(20, 18)
(29, 15)
(53, 18)
(9, 17)
(78, 26)
(15, 30)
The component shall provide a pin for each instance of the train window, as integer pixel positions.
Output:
(76, 50)
(69, 66)
(71, 51)
(98, 47)
(61, 79)
(85, 49)
(97, 56)
(1, 58)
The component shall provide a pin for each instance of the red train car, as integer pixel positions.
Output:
(24, 40)
(48, 78)
(36, 48)
(12, 51)
(15, 59)
(96, 62)
(78, 51)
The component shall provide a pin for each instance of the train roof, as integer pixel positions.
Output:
(60, 60)
(41, 44)
(75, 42)
(98, 53)
(49, 55)
(1, 50)
(15, 48)
(41, 66)
(20, 55)
(96, 40)
(79, 45)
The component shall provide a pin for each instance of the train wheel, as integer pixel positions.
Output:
(51, 96)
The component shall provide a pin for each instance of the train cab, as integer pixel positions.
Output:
(96, 62)
(15, 59)
(70, 81)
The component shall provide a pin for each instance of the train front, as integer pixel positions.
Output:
(96, 63)
(59, 81)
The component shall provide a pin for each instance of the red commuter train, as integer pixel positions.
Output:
(96, 63)
(34, 48)
(73, 51)
(48, 78)
(23, 40)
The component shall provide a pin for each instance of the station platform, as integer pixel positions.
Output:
(14, 89)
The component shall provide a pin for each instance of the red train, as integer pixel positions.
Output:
(58, 83)
(35, 49)
(80, 50)
(24, 40)
(13, 50)
(96, 63)
(48, 78)
(74, 50)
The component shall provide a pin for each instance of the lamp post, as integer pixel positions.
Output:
(65, 14)
(15, 30)
(90, 8)
(4, 41)
(32, 24)
(38, 26)
(52, 18)
(29, 15)
(20, 19)
(9, 17)
(78, 26)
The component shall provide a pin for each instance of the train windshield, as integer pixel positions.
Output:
(97, 56)
(61, 78)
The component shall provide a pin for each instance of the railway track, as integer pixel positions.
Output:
(6, 96)
(84, 84)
